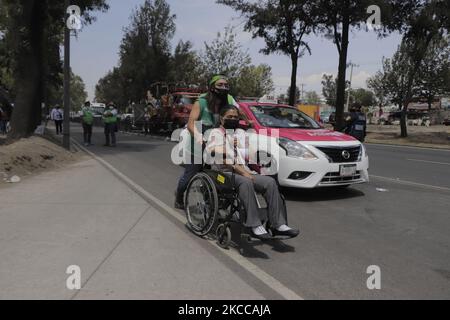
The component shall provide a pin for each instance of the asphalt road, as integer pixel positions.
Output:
(399, 222)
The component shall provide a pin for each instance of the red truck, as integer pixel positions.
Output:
(182, 104)
(170, 109)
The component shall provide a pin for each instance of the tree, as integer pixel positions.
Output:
(33, 31)
(78, 94)
(297, 95)
(421, 23)
(395, 76)
(312, 97)
(145, 48)
(110, 88)
(329, 89)
(225, 56)
(185, 65)
(6, 79)
(434, 72)
(377, 85)
(254, 81)
(282, 24)
(337, 19)
(363, 97)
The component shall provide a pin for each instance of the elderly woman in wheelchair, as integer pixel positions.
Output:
(231, 188)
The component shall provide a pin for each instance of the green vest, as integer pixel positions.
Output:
(109, 119)
(88, 117)
(206, 116)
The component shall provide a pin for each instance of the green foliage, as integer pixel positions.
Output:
(434, 73)
(329, 89)
(111, 88)
(337, 19)
(396, 76)
(363, 97)
(225, 56)
(255, 81)
(185, 65)
(378, 87)
(31, 33)
(144, 54)
(283, 26)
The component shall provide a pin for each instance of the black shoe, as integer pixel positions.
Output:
(106, 145)
(263, 237)
(292, 233)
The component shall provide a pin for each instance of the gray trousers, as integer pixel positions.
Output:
(267, 186)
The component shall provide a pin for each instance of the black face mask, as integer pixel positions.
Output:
(231, 124)
(221, 93)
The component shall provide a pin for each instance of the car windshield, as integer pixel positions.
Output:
(283, 117)
(98, 110)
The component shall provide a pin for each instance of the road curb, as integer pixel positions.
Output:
(409, 146)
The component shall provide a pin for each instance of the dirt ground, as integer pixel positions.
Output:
(30, 156)
(434, 136)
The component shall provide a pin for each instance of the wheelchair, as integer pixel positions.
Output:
(212, 205)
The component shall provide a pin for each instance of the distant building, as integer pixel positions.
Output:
(421, 104)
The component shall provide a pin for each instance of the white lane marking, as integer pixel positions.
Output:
(410, 183)
(407, 147)
(434, 162)
(260, 274)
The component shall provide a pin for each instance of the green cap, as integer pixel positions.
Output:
(217, 78)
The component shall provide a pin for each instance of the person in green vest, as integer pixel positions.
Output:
(87, 120)
(110, 121)
(205, 110)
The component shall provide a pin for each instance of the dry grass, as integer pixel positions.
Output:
(433, 136)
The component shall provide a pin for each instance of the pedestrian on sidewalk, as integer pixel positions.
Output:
(87, 120)
(110, 121)
(57, 116)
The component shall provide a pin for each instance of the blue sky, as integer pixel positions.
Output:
(95, 51)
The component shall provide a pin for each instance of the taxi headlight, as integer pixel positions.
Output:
(296, 150)
(362, 153)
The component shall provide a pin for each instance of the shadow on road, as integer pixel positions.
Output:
(135, 146)
(320, 194)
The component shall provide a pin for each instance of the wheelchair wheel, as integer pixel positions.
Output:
(202, 204)
(223, 234)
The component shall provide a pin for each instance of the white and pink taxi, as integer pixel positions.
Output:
(307, 155)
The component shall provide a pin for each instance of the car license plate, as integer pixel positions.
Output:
(348, 170)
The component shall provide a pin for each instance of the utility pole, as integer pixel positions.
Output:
(66, 128)
(301, 94)
(351, 64)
